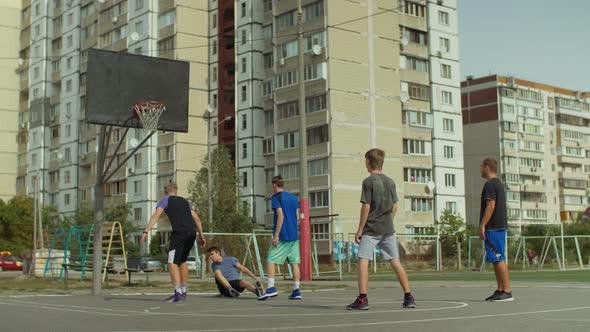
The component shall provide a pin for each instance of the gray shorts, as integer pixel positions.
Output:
(387, 244)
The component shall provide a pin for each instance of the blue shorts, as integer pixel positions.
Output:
(497, 239)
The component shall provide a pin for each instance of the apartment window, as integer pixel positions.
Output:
(450, 180)
(413, 146)
(419, 204)
(138, 4)
(285, 79)
(67, 154)
(66, 176)
(288, 49)
(244, 93)
(36, 72)
(445, 71)
(507, 108)
(166, 153)
(531, 162)
(268, 60)
(244, 179)
(266, 88)
(267, 146)
(447, 98)
(244, 150)
(287, 110)
(317, 135)
(54, 177)
(137, 214)
(313, 72)
(267, 31)
(55, 132)
(288, 140)
(313, 10)
(319, 199)
(551, 118)
(414, 36)
(244, 122)
(55, 66)
(317, 167)
(289, 171)
(412, 8)
(443, 17)
(214, 47)
(509, 126)
(417, 64)
(70, 19)
(69, 86)
(286, 20)
(167, 19)
(243, 66)
(137, 162)
(417, 91)
(214, 128)
(512, 196)
(513, 213)
(321, 231)
(138, 50)
(267, 5)
(417, 175)
(449, 152)
(69, 41)
(448, 125)
(34, 160)
(67, 199)
(139, 27)
(452, 207)
(269, 117)
(243, 9)
(509, 143)
(137, 187)
(37, 30)
(445, 45)
(417, 119)
(243, 37)
(315, 103)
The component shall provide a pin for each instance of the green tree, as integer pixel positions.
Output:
(16, 224)
(450, 227)
(230, 214)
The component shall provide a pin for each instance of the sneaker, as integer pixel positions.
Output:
(496, 293)
(409, 302)
(178, 297)
(296, 295)
(270, 292)
(259, 289)
(503, 297)
(170, 298)
(234, 293)
(359, 304)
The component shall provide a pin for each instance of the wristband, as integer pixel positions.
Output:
(145, 232)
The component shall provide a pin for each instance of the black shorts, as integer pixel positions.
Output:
(235, 284)
(181, 245)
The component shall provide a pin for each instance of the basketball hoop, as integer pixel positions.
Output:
(149, 112)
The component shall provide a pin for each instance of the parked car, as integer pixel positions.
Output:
(148, 263)
(10, 263)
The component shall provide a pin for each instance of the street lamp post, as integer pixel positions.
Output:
(209, 176)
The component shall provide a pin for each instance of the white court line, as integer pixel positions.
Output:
(390, 322)
(70, 307)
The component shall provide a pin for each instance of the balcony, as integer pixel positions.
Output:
(533, 188)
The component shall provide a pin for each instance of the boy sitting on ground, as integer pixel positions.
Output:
(227, 278)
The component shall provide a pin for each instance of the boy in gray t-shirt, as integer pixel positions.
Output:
(379, 204)
(227, 278)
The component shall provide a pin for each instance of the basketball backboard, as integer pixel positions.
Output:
(114, 81)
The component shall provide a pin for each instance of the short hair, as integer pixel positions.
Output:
(214, 248)
(491, 163)
(375, 158)
(171, 187)
(278, 180)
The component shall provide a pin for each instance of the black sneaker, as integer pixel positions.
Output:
(409, 302)
(234, 293)
(359, 304)
(503, 297)
(496, 293)
(259, 289)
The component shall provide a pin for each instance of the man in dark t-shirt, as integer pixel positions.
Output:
(492, 228)
(185, 224)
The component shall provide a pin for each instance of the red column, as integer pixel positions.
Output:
(305, 240)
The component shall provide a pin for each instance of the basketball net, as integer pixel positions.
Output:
(149, 113)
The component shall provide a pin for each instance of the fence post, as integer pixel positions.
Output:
(203, 265)
(459, 267)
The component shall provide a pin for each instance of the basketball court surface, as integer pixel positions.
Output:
(455, 306)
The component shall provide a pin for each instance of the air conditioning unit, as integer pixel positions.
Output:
(440, 2)
(282, 62)
(131, 170)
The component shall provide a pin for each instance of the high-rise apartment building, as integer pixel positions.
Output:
(57, 147)
(10, 15)
(540, 136)
(377, 74)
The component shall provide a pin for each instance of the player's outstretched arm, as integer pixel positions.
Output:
(246, 271)
(219, 276)
(153, 220)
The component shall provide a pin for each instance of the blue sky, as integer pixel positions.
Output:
(546, 41)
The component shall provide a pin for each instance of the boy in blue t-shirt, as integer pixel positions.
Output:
(285, 240)
(227, 278)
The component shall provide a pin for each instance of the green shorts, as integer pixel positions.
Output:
(286, 250)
